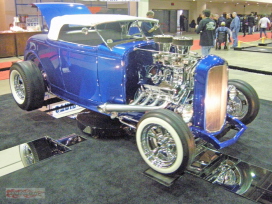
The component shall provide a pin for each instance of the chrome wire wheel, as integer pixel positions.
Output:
(238, 106)
(27, 85)
(235, 177)
(27, 155)
(17, 86)
(243, 101)
(165, 142)
(159, 146)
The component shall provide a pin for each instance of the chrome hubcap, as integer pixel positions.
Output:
(238, 106)
(28, 155)
(159, 146)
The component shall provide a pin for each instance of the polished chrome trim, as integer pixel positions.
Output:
(216, 98)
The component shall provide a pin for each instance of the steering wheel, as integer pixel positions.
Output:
(136, 35)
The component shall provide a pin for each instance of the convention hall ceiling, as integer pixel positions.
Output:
(243, 2)
(266, 3)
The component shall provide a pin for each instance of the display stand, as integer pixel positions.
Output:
(166, 180)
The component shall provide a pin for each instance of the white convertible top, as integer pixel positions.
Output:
(89, 20)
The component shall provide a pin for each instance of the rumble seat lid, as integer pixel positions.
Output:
(51, 10)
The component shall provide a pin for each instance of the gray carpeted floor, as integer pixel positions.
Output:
(99, 171)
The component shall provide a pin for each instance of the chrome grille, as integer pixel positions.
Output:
(216, 98)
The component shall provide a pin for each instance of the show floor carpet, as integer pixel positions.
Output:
(109, 171)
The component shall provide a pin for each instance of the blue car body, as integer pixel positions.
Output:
(90, 76)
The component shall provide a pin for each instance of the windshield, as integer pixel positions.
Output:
(122, 32)
(111, 34)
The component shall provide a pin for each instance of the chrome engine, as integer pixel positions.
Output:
(167, 83)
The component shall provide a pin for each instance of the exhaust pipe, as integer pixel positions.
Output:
(105, 108)
(140, 97)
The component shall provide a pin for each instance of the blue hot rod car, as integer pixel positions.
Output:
(171, 98)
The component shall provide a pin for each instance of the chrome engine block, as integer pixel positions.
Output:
(167, 83)
(172, 76)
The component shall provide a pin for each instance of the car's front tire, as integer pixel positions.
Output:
(165, 142)
(27, 85)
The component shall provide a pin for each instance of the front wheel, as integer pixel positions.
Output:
(165, 141)
(243, 101)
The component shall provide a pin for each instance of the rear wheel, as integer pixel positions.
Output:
(28, 154)
(243, 101)
(165, 142)
(27, 86)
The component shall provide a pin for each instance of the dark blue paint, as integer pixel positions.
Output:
(211, 137)
(89, 76)
(52, 10)
(201, 76)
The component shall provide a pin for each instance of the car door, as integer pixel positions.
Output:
(78, 57)
(79, 72)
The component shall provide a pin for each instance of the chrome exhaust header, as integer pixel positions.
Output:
(107, 108)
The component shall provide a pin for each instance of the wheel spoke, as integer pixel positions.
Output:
(19, 87)
(238, 107)
(159, 146)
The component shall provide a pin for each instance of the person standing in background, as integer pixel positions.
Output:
(221, 19)
(264, 23)
(215, 18)
(199, 18)
(206, 28)
(235, 27)
(181, 22)
(256, 20)
(228, 20)
(146, 27)
(244, 25)
(251, 22)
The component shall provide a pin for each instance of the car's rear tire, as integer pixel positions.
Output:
(27, 85)
(28, 154)
(165, 142)
(245, 105)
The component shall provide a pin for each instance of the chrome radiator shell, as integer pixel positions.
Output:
(216, 98)
(210, 94)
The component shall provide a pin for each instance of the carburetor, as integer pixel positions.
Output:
(172, 50)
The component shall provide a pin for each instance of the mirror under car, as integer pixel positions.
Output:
(239, 177)
(26, 154)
